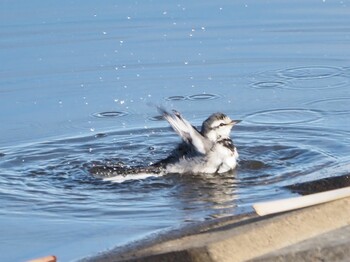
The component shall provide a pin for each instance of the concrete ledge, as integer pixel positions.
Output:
(331, 246)
(244, 239)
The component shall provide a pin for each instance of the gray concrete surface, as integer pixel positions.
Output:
(250, 238)
(331, 246)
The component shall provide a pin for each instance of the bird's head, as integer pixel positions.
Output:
(218, 126)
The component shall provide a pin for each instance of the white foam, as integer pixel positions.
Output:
(121, 178)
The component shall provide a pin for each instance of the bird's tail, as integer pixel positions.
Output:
(121, 173)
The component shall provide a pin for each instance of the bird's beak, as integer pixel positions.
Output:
(234, 122)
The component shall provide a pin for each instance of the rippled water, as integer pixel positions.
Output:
(79, 84)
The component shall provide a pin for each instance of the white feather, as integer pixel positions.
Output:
(187, 132)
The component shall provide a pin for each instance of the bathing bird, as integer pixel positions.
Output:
(210, 150)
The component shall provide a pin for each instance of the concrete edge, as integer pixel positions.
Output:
(243, 239)
(330, 246)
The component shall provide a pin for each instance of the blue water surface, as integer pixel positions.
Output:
(79, 82)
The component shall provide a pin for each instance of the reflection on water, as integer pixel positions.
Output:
(76, 84)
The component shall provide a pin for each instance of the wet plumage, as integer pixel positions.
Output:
(210, 150)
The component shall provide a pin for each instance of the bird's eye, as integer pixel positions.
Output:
(222, 124)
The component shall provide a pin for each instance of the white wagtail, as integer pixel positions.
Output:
(210, 150)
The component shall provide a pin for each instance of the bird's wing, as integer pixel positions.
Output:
(187, 132)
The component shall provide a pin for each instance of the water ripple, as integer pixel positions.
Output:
(156, 118)
(269, 84)
(203, 97)
(333, 105)
(270, 157)
(110, 114)
(336, 81)
(310, 72)
(175, 98)
(196, 97)
(284, 116)
(308, 77)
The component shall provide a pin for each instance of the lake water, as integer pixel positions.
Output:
(78, 85)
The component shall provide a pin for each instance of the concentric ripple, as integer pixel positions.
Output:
(203, 97)
(333, 105)
(269, 84)
(336, 81)
(175, 98)
(110, 114)
(284, 116)
(309, 77)
(54, 176)
(196, 97)
(310, 72)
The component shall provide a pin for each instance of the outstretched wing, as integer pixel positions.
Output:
(186, 131)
